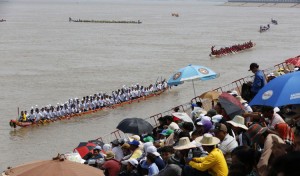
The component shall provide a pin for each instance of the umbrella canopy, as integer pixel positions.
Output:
(212, 95)
(191, 73)
(282, 90)
(182, 116)
(294, 61)
(231, 105)
(135, 126)
(53, 168)
(84, 148)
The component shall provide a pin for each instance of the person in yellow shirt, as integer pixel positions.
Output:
(214, 164)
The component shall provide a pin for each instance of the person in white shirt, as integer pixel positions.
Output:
(274, 118)
(227, 144)
(116, 149)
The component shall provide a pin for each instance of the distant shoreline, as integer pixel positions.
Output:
(255, 4)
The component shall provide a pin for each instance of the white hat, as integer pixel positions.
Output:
(98, 148)
(133, 162)
(173, 126)
(241, 99)
(234, 92)
(207, 140)
(184, 143)
(238, 121)
(216, 118)
(153, 150)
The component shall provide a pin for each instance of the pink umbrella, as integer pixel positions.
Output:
(294, 61)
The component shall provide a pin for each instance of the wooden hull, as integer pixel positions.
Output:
(14, 123)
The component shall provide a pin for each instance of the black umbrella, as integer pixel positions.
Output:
(135, 126)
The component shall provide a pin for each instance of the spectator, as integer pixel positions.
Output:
(259, 79)
(111, 166)
(212, 164)
(228, 143)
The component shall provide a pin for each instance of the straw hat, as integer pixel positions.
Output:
(238, 121)
(207, 140)
(134, 137)
(109, 155)
(184, 143)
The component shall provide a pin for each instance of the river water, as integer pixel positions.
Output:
(45, 59)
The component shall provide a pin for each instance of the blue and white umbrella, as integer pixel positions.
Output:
(191, 73)
(283, 90)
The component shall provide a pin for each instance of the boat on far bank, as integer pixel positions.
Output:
(2, 20)
(105, 21)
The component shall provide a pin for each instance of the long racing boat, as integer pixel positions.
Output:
(15, 122)
(234, 49)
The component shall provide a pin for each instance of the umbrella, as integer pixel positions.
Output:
(182, 116)
(282, 90)
(53, 168)
(294, 61)
(213, 95)
(84, 148)
(191, 73)
(231, 105)
(135, 126)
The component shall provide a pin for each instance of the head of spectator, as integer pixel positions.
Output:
(195, 134)
(257, 134)
(106, 148)
(286, 165)
(220, 131)
(166, 152)
(187, 126)
(166, 133)
(109, 155)
(208, 142)
(162, 121)
(131, 165)
(267, 112)
(148, 139)
(134, 145)
(169, 119)
(238, 124)
(114, 143)
(203, 126)
(134, 137)
(211, 113)
(253, 67)
(126, 149)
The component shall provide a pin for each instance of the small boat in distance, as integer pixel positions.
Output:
(231, 49)
(175, 14)
(274, 21)
(2, 20)
(264, 28)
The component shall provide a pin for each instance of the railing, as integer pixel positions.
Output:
(207, 104)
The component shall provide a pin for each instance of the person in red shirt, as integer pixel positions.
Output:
(111, 166)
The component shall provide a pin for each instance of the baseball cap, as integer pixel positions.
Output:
(253, 65)
(220, 127)
(134, 142)
(133, 162)
(152, 149)
(167, 132)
